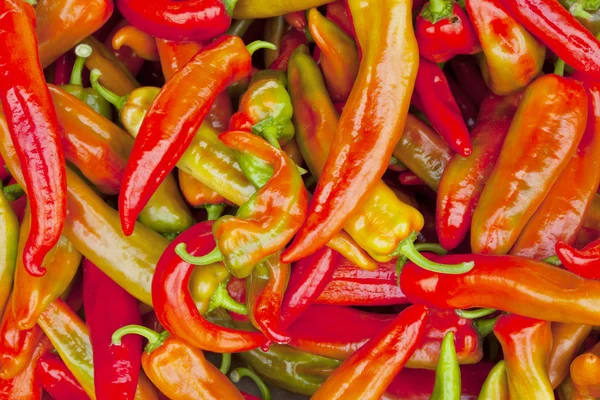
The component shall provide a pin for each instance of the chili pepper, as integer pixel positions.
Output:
(505, 283)
(266, 223)
(26, 385)
(526, 344)
(464, 178)
(542, 138)
(145, 173)
(444, 30)
(585, 262)
(61, 25)
(208, 286)
(496, 384)
(316, 122)
(347, 247)
(246, 9)
(63, 67)
(423, 151)
(31, 295)
(56, 379)
(142, 44)
(441, 108)
(337, 12)
(34, 130)
(468, 75)
(297, 20)
(220, 113)
(178, 369)
(513, 57)
(371, 130)
(447, 373)
(568, 391)
(174, 55)
(87, 95)
(125, 54)
(468, 110)
(339, 55)
(197, 194)
(289, 42)
(592, 216)
(560, 216)
(408, 178)
(585, 370)
(9, 239)
(109, 307)
(566, 341)
(275, 29)
(175, 308)
(368, 372)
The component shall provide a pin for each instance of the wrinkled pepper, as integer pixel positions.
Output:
(585, 372)
(26, 385)
(447, 372)
(566, 341)
(56, 379)
(542, 138)
(495, 386)
(9, 240)
(34, 130)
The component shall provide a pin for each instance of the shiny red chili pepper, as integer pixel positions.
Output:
(468, 75)
(58, 381)
(109, 307)
(585, 262)
(26, 385)
(440, 107)
(289, 42)
(466, 106)
(34, 130)
(182, 21)
(62, 69)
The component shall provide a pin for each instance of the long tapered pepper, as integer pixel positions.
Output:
(566, 340)
(369, 371)
(62, 24)
(465, 177)
(526, 344)
(34, 131)
(125, 54)
(316, 122)
(162, 141)
(174, 55)
(370, 125)
(560, 31)
(197, 194)
(585, 262)
(57, 380)
(31, 295)
(447, 373)
(109, 307)
(9, 239)
(467, 108)
(585, 372)
(469, 77)
(505, 283)
(512, 57)
(560, 216)
(275, 29)
(246, 9)
(339, 55)
(142, 43)
(26, 384)
(495, 386)
(541, 140)
(441, 108)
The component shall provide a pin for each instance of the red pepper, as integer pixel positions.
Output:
(56, 379)
(440, 108)
(289, 42)
(109, 307)
(34, 131)
(175, 116)
(585, 262)
(297, 19)
(444, 30)
(467, 108)
(338, 13)
(468, 75)
(182, 21)
(409, 178)
(175, 307)
(62, 68)
(551, 23)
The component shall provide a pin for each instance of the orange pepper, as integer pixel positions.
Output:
(140, 42)
(26, 385)
(585, 372)
(566, 340)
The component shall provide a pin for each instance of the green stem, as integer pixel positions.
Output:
(554, 260)
(229, 6)
(260, 44)
(225, 363)
(437, 6)
(559, 67)
(32, 2)
(239, 373)
(222, 299)
(407, 249)
(432, 248)
(82, 51)
(155, 339)
(474, 314)
(111, 97)
(577, 10)
(270, 135)
(239, 27)
(210, 258)
(214, 211)
(485, 326)
(13, 192)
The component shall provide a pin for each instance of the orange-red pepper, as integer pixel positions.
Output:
(566, 341)
(26, 385)
(140, 42)
(585, 372)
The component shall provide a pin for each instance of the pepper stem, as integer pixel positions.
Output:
(222, 299)
(82, 51)
(485, 326)
(473, 314)
(578, 10)
(437, 6)
(13, 192)
(111, 97)
(239, 373)
(408, 249)
(554, 260)
(155, 339)
(260, 44)
(214, 256)
(214, 211)
(559, 67)
(270, 135)
(225, 363)
(32, 2)
(229, 6)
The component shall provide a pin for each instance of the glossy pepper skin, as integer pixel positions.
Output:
(464, 178)
(441, 108)
(247, 9)
(542, 138)
(9, 239)
(189, 21)
(26, 385)
(370, 125)
(140, 42)
(512, 57)
(466, 106)
(109, 307)
(444, 30)
(316, 122)
(289, 42)
(566, 341)
(208, 73)
(124, 54)
(505, 283)
(526, 344)
(274, 30)
(174, 55)
(369, 371)
(34, 130)
(584, 262)
(495, 386)
(447, 373)
(56, 379)
(339, 57)
(196, 193)
(560, 31)
(561, 214)
(175, 307)
(585, 371)
(62, 24)
(468, 76)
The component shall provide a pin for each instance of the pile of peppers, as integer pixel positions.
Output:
(334, 199)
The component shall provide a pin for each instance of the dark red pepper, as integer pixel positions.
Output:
(466, 106)
(289, 42)
(468, 76)
(58, 381)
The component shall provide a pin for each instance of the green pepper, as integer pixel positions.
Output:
(9, 239)
(208, 286)
(495, 386)
(88, 95)
(447, 374)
